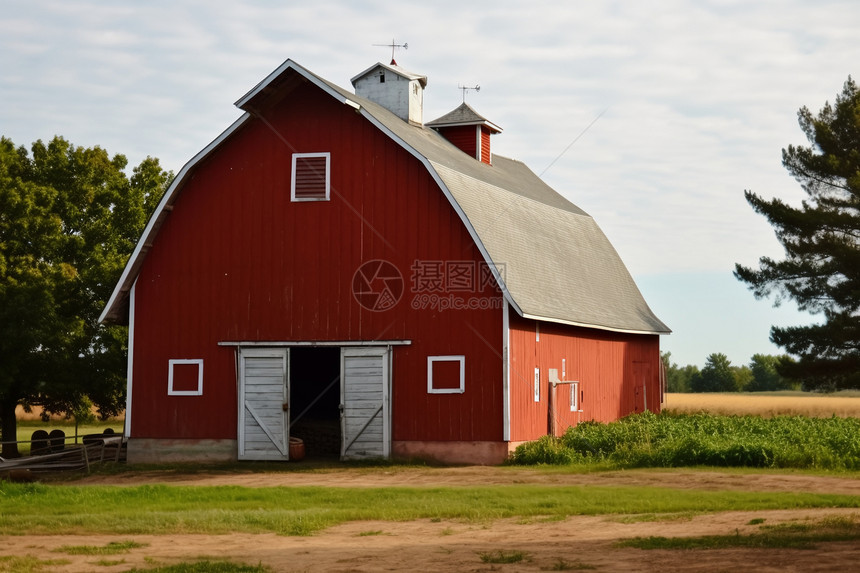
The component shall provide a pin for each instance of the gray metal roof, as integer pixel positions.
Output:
(552, 261)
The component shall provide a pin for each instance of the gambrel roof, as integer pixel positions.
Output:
(549, 257)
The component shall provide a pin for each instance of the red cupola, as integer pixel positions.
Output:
(468, 130)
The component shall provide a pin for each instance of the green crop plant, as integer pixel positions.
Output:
(681, 440)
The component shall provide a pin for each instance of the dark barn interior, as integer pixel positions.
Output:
(315, 399)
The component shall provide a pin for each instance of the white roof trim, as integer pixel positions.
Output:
(593, 326)
(394, 69)
(448, 195)
(314, 343)
(434, 125)
(307, 74)
(159, 213)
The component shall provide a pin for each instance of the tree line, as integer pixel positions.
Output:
(761, 374)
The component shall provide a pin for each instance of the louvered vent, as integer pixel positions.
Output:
(310, 180)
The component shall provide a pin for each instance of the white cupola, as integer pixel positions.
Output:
(394, 88)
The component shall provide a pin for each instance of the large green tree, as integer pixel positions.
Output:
(716, 376)
(765, 374)
(743, 377)
(821, 238)
(69, 219)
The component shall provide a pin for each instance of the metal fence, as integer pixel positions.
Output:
(55, 455)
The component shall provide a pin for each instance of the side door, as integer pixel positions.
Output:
(364, 402)
(264, 416)
(641, 377)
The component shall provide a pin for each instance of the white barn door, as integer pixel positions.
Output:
(364, 399)
(264, 416)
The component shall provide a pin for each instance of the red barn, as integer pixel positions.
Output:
(331, 268)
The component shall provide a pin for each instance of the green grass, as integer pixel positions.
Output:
(564, 565)
(206, 566)
(655, 517)
(28, 564)
(790, 535)
(684, 440)
(159, 509)
(502, 556)
(109, 562)
(112, 548)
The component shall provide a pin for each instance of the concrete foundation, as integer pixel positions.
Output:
(473, 453)
(161, 450)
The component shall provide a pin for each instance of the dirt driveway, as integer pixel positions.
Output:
(410, 476)
(575, 543)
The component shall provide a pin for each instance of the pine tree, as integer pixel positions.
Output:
(821, 238)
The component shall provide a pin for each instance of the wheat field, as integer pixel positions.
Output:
(768, 404)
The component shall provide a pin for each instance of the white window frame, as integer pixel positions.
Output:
(171, 363)
(296, 156)
(574, 397)
(450, 358)
(537, 384)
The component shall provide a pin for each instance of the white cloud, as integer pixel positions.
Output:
(699, 97)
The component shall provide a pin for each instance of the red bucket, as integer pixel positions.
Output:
(297, 449)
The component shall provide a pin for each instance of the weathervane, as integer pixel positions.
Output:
(467, 88)
(393, 47)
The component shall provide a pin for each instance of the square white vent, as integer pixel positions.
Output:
(311, 177)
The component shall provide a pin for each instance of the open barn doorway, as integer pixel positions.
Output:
(315, 399)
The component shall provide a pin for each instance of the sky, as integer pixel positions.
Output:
(653, 117)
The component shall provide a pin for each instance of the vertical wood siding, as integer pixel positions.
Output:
(364, 400)
(264, 423)
(238, 261)
(616, 373)
(464, 137)
(485, 145)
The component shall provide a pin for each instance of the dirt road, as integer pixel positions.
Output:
(574, 543)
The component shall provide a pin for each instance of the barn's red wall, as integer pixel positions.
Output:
(464, 137)
(486, 157)
(237, 261)
(617, 373)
